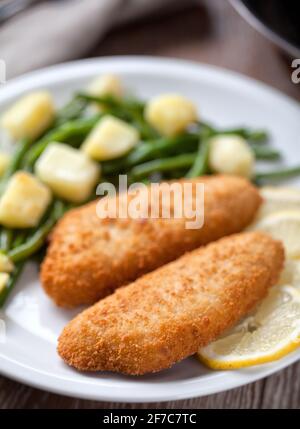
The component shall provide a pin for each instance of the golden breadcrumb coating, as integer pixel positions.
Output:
(168, 314)
(88, 257)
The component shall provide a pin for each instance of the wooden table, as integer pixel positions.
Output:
(211, 33)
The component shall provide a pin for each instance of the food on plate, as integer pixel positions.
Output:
(68, 172)
(166, 315)
(231, 155)
(278, 174)
(277, 199)
(4, 162)
(24, 201)
(4, 279)
(271, 332)
(157, 140)
(29, 116)
(110, 139)
(283, 225)
(170, 114)
(107, 84)
(88, 257)
(6, 265)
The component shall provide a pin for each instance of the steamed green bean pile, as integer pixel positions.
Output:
(108, 134)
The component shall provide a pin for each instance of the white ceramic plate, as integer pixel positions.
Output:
(33, 323)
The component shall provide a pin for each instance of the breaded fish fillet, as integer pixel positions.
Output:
(88, 257)
(168, 314)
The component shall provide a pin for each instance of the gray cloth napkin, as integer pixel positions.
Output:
(55, 31)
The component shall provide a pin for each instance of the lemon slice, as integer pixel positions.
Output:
(270, 333)
(277, 199)
(284, 226)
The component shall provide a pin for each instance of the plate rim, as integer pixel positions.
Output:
(205, 68)
(86, 392)
(13, 369)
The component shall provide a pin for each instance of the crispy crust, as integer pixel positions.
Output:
(88, 258)
(168, 314)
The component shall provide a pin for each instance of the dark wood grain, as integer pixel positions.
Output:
(212, 33)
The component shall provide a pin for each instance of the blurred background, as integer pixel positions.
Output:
(257, 38)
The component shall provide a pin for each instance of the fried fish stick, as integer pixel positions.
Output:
(166, 315)
(88, 257)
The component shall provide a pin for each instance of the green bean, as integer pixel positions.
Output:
(206, 128)
(33, 244)
(11, 283)
(19, 238)
(70, 111)
(149, 150)
(113, 102)
(146, 181)
(162, 147)
(21, 149)
(263, 152)
(253, 136)
(24, 248)
(200, 165)
(284, 173)
(176, 174)
(37, 239)
(258, 136)
(145, 130)
(77, 129)
(6, 237)
(128, 109)
(60, 208)
(161, 165)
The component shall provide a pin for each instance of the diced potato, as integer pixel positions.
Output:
(24, 201)
(231, 155)
(29, 116)
(110, 139)
(170, 114)
(4, 161)
(4, 277)
(6, 265)
(107, 84)
(70, 173)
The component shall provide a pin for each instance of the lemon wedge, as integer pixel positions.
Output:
(271, 332)
(284, 226)
(277, 199)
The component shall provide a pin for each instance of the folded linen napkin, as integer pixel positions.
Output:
(56, 31)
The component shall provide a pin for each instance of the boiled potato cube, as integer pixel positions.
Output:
(29, 116)
(6, 264)
(170, 114)
(105, 85)
(4, 277)
(4, 161)
(24, 201)
(70, 173)
(110, 139)
(231, 155)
